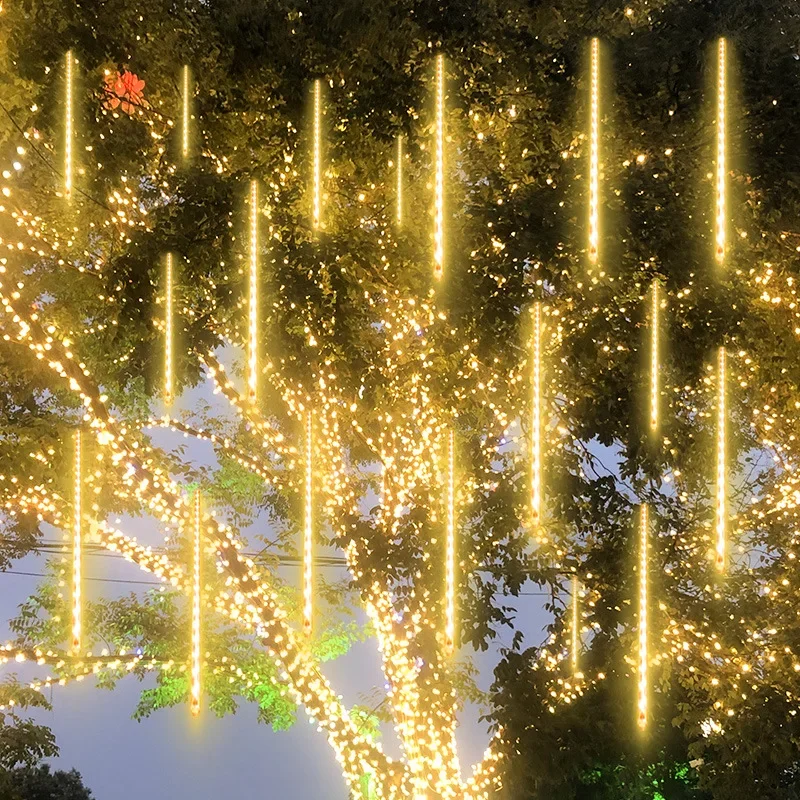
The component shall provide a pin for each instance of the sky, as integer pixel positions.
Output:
(171, 754)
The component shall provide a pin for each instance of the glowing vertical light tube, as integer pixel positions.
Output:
(186, 113)
(655, 389)
(308, 541)
(438, 229)
(594, 154)
(721, 121)
(68, 127)
(576, 630)
(399, 181)
(722, 499)
(77, 549)
(317, 211)
(168, 334)
(252, 317)
(450, 555)
(644, 532)
(536, 417)
(195, 670)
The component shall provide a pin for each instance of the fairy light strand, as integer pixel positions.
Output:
(196, 547)
(450, 558)
(252, 330)
(644, 532)
(536, 417)
(77, 554)
(655, 388)
(594, 154)
(722, 500)
(308, 532)
(168, 334)
(68, 126)
(721, 155)
(438, 231)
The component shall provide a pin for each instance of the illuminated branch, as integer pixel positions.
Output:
(248, 598)
(252, 315)
(722, 463)
(194, 702)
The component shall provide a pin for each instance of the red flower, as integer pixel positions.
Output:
(124, 89)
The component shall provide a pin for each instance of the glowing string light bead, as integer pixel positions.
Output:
(536, 417)
(186, 113)
(644, 532)
(168, 334)
(722, 499)
(317, 200)
(721, 121)
(252, 330)
(77, 548)
(576, 632)
(399, 180)
(594, 154)
(68, 126)
(194, 703)
(308, 539)
(450, 556)
(438, 230)
(654, 356)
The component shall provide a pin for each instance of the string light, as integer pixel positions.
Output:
(450, 559)
(308, 535)
(654, 357)
(399, 180)
(76, 548)
(594, 154)
(721, 121)
(536, 418)
(252, 337)
(722, 501)
(644, 532)
(68, 127)
(186, 113)
(576, 633)
(438, 231)
(168, 335)
(196, 546)
(317, 154)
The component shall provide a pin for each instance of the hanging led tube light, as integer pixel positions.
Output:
(438, 229)
(450, 556)
(186, 113)
(536, 417)
(77, 601)
(196, 546)
(655, 389)
(722, 467)
(252, 317)
(576, 629)
(168, 335)
(317, 199)
(594, 154)
(643, 688)
(69, 125)
(721, 155)
(399, 181)
(308, 533)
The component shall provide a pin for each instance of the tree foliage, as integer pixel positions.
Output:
(337, 302)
